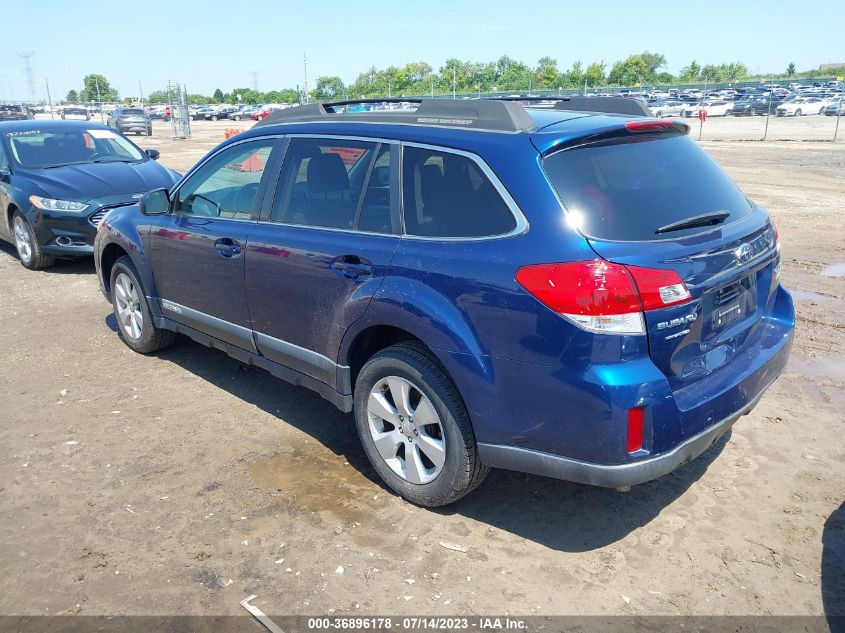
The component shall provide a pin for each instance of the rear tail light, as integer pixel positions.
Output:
(635, 429)
(775, 236)
(601, 296)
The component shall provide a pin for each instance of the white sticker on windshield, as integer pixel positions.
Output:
(102, 134)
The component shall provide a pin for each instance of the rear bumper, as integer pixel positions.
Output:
(609, 476)
(553, 427)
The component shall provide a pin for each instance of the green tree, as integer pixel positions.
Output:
(157, 97)
(198, 99)
(97, 87)
(691, 72)
(328, 88)
(595, 74)
(287, 95)
(547, 74)
(72, 97)
(631, 71)
(218, 96)
(655, 61)
(790, 70)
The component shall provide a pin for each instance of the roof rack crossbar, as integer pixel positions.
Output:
(576, 103)
(476, 114)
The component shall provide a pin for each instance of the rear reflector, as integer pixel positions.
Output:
(601, 296)
(649, 125)
(635, 429)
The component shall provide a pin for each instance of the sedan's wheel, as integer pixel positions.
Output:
(134, 320)
(214, 118)
(658, 113)
(236, 118)
(29, 251)
(798, 112)
(415, 428)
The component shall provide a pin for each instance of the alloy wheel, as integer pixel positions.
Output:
(23, 240)
(406, 430)
(128, 300)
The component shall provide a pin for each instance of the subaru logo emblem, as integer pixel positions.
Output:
(744, 253)
(137, 196)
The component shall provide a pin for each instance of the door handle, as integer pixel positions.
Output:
(352, 266)
(227, 247)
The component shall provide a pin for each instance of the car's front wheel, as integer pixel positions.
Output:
(415, 428)
(134, 320)
(29, 250)
(798, 112)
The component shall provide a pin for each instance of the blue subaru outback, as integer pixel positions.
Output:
(576, 290)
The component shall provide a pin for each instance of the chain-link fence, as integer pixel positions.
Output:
(180, 118)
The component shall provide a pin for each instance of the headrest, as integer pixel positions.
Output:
(326, 172)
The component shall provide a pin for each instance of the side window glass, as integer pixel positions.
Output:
(447, 195)
(375, 210)
(226, 186)
(4, 159)
(321, 182)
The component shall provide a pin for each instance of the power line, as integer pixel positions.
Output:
(27, 73)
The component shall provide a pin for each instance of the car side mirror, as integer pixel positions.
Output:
(155, 202)
(153, 153)
(5, 174)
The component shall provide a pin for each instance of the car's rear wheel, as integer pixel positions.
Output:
(29, 251)
(415, 428)
(236, 118)
(134, 321)
(214, 118)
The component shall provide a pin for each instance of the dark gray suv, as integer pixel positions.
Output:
(131, 120)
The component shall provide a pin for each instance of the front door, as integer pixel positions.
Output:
(314, 264)
(197, 250)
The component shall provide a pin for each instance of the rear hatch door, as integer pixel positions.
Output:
(657, 200)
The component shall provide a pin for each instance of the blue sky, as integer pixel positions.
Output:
(213, 44)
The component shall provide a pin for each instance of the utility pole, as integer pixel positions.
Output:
(99, 100)
(49, 98)
(141, 93)
(585, 86)
(255, 74)
(27, 73)
(305, 73)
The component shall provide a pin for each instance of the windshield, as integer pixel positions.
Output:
(627, 189)
(45, 148)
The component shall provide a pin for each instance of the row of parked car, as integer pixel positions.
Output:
(584, 297)
(730, 103)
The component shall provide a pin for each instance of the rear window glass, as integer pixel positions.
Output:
(628, 190)
(132, 111)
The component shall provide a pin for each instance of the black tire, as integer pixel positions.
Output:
(37, 259)
(236, 118)
(798, 112)
(151, 339)
(214, 117)
(462, 471)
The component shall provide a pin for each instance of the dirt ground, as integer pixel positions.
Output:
(183, 482)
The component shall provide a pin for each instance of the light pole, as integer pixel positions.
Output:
(454, 81)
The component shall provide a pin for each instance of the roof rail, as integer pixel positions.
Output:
(608, 105)
(475, 114)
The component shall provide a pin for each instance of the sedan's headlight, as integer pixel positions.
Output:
(48, 204)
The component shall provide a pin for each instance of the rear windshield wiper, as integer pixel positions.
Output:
(707, 219)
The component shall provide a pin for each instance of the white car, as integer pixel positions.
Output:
(75, 114)
(800, 106)
(668, 107)
(712, 108)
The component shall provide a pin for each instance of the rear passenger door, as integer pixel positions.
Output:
(314, 262)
